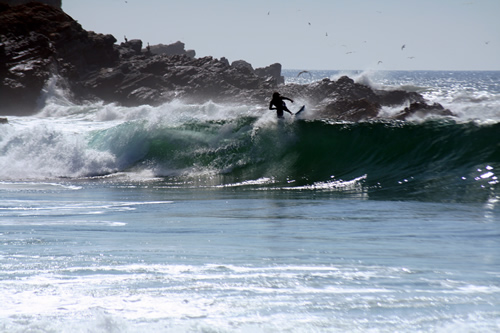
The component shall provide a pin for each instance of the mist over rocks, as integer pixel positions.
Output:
(39, 41)
(347, 100)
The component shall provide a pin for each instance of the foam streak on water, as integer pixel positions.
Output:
(225, 261)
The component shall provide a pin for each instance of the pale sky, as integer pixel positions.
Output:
(311, 34)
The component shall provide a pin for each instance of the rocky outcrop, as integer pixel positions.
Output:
(155, 79)
(272, 71)
(39, 41)
(420, 109)
(347, 100)
(177, 48)
(55, 3)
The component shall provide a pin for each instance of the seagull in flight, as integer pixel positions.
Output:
(402, 47)
(304, 72)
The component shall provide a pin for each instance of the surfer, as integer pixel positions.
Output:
(279, 104)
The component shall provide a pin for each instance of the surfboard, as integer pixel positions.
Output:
(300, 110)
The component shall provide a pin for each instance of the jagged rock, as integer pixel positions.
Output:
(273, 71)
(24, 79)
(243, 66)
(39, 41)
(55, 3)
(135, 45)
(346, 100)
(398, 97)
(177, 48)
(422, 109)
(224, 61)
(4, 121)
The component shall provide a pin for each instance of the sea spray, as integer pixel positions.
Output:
(434, 158)
(42, 151)
(222, 145)
(210, 217)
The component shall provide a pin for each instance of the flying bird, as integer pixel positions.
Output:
(379, 62)
(304, 72)
(402, 47)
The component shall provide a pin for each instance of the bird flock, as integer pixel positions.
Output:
(349, 52)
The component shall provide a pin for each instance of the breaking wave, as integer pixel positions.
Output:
(245, 146)
(222, 146)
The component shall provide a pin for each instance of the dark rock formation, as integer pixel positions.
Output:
(177, 48)
(40, 41)
(346, 100)
(159, 78)
(423, 109)
(272, 71)
(55, 3)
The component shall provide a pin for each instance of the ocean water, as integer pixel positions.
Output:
(220, 218)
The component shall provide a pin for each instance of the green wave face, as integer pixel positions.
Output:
(433, 160)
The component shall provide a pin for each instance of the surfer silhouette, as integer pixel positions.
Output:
(278, 103)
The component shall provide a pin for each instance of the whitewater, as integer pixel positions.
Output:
(222, 218)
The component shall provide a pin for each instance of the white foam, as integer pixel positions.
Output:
(260, 181)
(42, 151)
(147, 297)
(36, 186)
(55, 143)
(335, 185)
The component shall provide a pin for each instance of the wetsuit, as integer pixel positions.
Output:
(279, 105)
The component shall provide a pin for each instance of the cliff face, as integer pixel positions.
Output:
(38, 41)
(55, 3)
